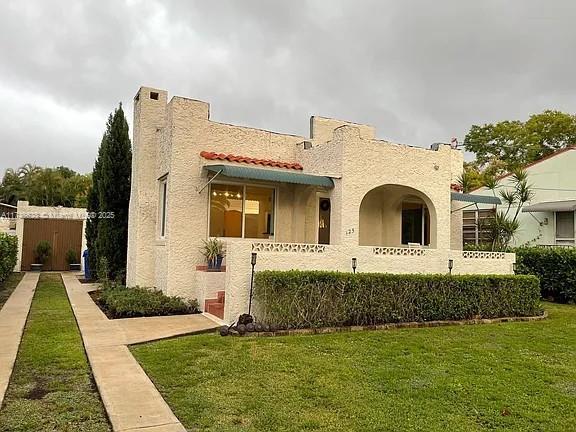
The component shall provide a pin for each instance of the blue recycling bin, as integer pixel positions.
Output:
(87, 274)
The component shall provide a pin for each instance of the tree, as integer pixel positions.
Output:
(503, 226)
(112, 184)
(510, 145)
(93, 209)
(12, 189)
(45, 186)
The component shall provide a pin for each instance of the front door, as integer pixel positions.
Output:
(324, 221)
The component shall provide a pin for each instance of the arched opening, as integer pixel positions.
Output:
(395, 215)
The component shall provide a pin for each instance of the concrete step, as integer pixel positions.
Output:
(221, 295)
(216, 309)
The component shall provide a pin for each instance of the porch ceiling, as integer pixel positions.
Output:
(271, 175)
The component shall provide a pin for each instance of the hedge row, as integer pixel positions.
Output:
(555, 267)
(8, 255)
(120, 302)
(301, 299)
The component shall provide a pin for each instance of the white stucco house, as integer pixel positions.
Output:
(549, 218)
(298, 202)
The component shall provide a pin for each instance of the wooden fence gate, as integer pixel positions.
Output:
(62, 234)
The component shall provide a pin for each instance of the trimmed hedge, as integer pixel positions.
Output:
(301, 299)
(120, 302)
(555, 267)
(8, 255)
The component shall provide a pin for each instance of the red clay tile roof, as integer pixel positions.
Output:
(248, 160)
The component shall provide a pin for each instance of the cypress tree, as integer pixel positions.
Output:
(113, 187)
(93, 210)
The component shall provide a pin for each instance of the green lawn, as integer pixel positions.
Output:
(513, 376)
(51, 388)
(8, 286)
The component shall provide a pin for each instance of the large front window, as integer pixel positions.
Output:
(241, 211)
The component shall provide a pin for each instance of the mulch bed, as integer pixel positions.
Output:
(389, 326)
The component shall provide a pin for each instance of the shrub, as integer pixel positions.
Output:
(324, 299)
(8, 255)
(556, 268)
(121, 302)
(42, 252)
(72, 257)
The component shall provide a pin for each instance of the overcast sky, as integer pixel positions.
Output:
(420, 71)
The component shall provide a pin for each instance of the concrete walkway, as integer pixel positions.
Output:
(12, 321)
(131, 400)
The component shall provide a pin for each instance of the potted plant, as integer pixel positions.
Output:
(213, 251)
(41, 255)
(72, 260)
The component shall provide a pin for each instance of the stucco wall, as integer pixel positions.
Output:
(149, 121)
(339, 258)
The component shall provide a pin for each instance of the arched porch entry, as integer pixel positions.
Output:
(395, 215)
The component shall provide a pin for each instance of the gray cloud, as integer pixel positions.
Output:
(419, 71)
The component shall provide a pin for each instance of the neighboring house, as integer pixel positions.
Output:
(549, 219)
(297, 202)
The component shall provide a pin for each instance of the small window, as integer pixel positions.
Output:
(154, 95)
(475, 226)
(163, 206)
(565, 227)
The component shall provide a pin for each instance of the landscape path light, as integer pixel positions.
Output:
(253, 263)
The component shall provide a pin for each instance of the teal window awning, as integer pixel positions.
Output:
(276, 176)
(477, 199)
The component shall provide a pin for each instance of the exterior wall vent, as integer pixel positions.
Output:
(307, 145)
(154, 95)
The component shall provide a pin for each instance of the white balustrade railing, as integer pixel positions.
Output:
(483, 255)
(398, 251)
(288, 247)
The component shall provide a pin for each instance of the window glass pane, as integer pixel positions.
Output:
(225, 210)
(411, 223)
(565, 225)
(259, 212)
(164, 197)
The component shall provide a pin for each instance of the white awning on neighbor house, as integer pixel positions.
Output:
(551, 206)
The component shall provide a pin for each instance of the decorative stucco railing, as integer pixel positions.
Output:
(483, 255)
(398, 251)
(288, 247)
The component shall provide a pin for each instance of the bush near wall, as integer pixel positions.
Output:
(301, 299)
(8, 255)
(120, 302)
(555, 267)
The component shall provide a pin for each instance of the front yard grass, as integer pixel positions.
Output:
(8, 286)
(517, 376)
(51, 388)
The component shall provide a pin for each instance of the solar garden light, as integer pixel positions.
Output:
(354, 264)
(514, 267)
(253, 262)
(450, 265)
